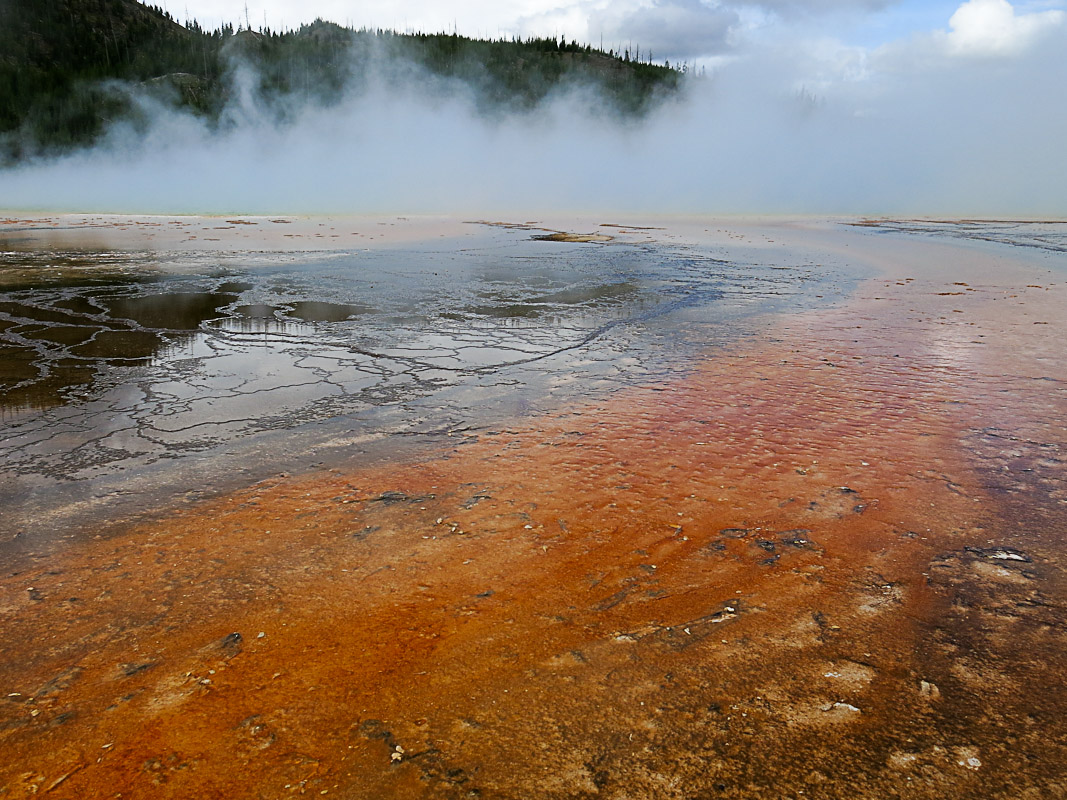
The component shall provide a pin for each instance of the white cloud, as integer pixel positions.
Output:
(992, 28)
(672, 29)
(982, 34)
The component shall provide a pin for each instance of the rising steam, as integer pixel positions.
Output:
(927, 126)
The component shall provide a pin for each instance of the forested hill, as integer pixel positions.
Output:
(66, 67)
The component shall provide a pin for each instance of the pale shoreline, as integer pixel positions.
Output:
(251, 233)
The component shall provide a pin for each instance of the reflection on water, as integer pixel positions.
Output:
(56, 340)
(112, 368)
(170, 311)
(313, 311)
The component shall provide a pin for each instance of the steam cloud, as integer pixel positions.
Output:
(967, 121)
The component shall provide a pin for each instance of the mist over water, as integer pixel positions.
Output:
(919, 132)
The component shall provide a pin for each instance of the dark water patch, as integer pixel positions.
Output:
(170, 311)
(64, 334)
(75, 330)
(27, 383)
(80, 305)
(37, 313)
(17, 364)
(256, 311)
(90, 274)
(317, 311)
(129, 346)
(235, 287)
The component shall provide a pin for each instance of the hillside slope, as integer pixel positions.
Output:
(66, 68)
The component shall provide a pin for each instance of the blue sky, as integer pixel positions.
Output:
(700, 31)
(897, 21)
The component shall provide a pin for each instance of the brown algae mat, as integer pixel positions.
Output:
(828, 563)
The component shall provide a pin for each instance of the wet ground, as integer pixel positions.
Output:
(823, 560)
(1049, 235)
(122, 366)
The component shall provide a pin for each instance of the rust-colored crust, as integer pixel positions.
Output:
(814, 567)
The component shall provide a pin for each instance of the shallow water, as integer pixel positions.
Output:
(1048, 235)
(128, 374)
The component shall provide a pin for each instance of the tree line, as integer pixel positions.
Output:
(66, 65)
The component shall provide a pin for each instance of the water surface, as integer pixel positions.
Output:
(132, 377)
